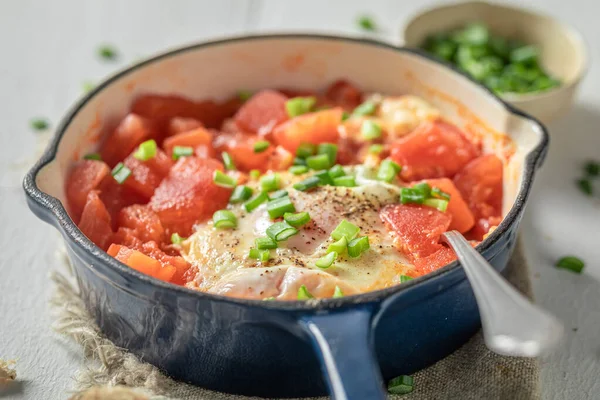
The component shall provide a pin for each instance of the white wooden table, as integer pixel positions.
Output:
(48, 49)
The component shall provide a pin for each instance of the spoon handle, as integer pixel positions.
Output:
(512, 325)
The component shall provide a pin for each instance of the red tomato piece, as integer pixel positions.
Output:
(85, 176)
(117, 197)
(343, 94)
(280, 159)
(416, 228)
(188, 195)
(296, 92)
(127, 237)
(143, 221)
(95, 221)
(443, 256)
(265, 109)
(132, 131)
(317, 127)
(462, 217)
(147, 175)
(433, 150)
(241, 148)
(181, 124)
(193, 138)
(181, 266)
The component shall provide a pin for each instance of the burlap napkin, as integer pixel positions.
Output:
(470, 373)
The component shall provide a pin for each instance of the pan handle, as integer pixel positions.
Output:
(342, 341)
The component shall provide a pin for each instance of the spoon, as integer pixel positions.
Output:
(512, 324)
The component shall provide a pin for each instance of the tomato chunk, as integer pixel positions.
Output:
(143, 221)
(95, 221)
(193, 138)
(147, 175)
(241, 148)
(416, 228)
(117, 197)
(433, 150)
(180, 124)
(462, 217)
(188, 195)
(317, 127)
(265, 109)
(179, 264)
(480, 184)
(85, 176)
(132, 131)
(443, 256)
(161, 109)
(343, 94)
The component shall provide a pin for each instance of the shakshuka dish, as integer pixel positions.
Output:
(285, 194)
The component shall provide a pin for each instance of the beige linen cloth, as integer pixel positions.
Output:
(470, 373)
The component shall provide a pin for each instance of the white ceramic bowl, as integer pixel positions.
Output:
(563, 52)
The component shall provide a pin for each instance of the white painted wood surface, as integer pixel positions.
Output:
(47, 49)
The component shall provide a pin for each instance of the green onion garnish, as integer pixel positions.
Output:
(120, 172)
(440, 204)
(298, 169)
(256, 201)
(260, 255)
(93, 156)
(345, 115)
(411, 196)
(244, 95)
(304, 294)
(437, 192)
(299, 161)
(366, 108)
(375, 148)
(264, 243)
(337, 293)
(182, 151)
(306, 150)
(592, 168)
(146, 150)
(269, 183)
(277, 194)
(269, 298)
(240, 194)
(370, 130)
(388, 171)
(224, 219)
(346, 181)
(327, 260)
(107, 52)
(405, 278)
(307, 184)
(299, 105)
(401, 385)
(261, 146)
(281, 231)
(223, 180)
(336, 171)
(176, 239)
(276, 208)
(298, 219)
(339, 247)
(228, 161)
(330, 150)
(358, 246)
(345, 229)
(318, 162)
(423, 188)
(366, 23)
(39, 124)
(87, 86)
(324, 178)
(585, 185)
(571, 263)
(254, 174)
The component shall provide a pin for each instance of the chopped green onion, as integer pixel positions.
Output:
(345, 229)
(299, 105)
(39, 124)
(176, 239)
(87, 86)
(346, 181)
(299, 161)
(337, 293)
(345, 115)
(336, 171)
(401, 385)
(440, 204)
(281, 231)
(437, 192)
(244, 95)
(330, 150)
(585, 185)
(524, 54)
(270, 183)
(93, 156)
(277, 194)
(324, 177)
(424, 188)
(327, 260)
(592, 168)
(405, 278)
(571, 263)
(366, 23)
(298, 219)
(298, 169)
(260, 255)
(276, 208)
(261, 146)
(339, 247)
(228, 161)
(304, 294)
(264, 243)
(375, 148)
(370, 130)
(366, 108)
(306, 150)
(223, 180)
(269, 298)
(182, 151)
(254, 174)
(388, 171)
(358, 246)
(120, 172)
(318, 162)
(107, 52)
(307, 184)
(146, 150)
(240, 194)
(411, 196)
(256, 201)
(224, 219)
